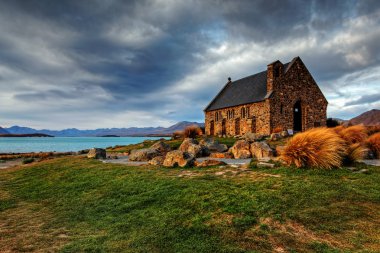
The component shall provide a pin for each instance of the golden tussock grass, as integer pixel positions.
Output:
(317, 147)
(354, 152)
(354, 134)
(373, 143)
(277, 129)
(192, 131)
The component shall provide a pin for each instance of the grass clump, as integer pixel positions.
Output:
(28, 160)
(354, 134)
(192, 131)
(318, 147)
(373, 143)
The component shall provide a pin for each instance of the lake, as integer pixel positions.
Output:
(63, 144)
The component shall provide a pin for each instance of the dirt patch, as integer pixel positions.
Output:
(10, 163)
(24, 228)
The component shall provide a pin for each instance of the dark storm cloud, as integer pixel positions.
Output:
(365, 100)
(169, 58)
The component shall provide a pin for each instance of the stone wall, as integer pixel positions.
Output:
(255, 118)
(277, 112)
(297, 85)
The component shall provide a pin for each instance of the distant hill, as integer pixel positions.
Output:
(3, 131)
(132, 131)
(370, 118)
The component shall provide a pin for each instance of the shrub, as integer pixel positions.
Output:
(373, 129)
(277, 129)
(192, 131)
(354, 134)
(338, 129)
(373, 143)
(317, 147)
(177, 135)
(28, 160)
(354, 152)
(330, 122)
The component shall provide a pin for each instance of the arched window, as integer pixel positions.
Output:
(242, 112)
(247, 112)
(216, 116)
(281, 109)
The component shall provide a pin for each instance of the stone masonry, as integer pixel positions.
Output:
(293, 100)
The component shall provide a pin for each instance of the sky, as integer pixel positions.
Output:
(98, 64)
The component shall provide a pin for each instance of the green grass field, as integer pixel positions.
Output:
(80, 205)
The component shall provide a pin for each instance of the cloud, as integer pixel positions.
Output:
(140, 63)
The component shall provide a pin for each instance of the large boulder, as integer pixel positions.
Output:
(161, 147)
(158, 160)
(97, 153)
(213, 145)
(208, 163)
(261, 149)
(250, 137)
(142, 155)
(192, 147)
(178, 158)
(241, 150)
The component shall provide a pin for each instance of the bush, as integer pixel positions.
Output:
(354, 134)
(192, 131)
(177, 135)
(277, 129)
(27, 160)
(354, 152)
(373, 129)
(330, 122)
(373, 143)
(317, 147)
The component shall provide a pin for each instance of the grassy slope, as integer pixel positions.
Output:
(76, 205)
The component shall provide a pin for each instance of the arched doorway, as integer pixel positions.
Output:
(297, 117)
(224, 127)
(211, 127)
(237, 126)
(253, 125)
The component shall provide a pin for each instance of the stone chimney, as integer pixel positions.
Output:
(274, 70)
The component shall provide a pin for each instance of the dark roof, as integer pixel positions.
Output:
(247, 90)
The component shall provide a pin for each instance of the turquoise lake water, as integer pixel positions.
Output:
(63, 144)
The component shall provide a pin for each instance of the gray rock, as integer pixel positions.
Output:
(275, 137)
(213, 145)
(178, 158)
(145, 154)
(265, 165)
(97, 153)
(284, 134)
(261, 149)
(158, 160)
(241, 150)
(161, 146)
(192, 147)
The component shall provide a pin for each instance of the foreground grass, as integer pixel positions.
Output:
(80, 205)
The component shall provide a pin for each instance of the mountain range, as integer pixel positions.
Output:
(369, 118)
(132, 131)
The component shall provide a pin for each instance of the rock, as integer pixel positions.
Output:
(178, 158)
(208, 163)
(97, 153)
(161, 146)
(363, 171)
(265, 165)
(224, 155)
(275, 137)
(213, 145)
(158, 160)
(144, 154)
(250, 137)
(241, 150)
(192, 147)
(261, 149)
(284, 134)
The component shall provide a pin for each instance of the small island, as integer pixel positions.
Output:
(26, 135)
(110, 135)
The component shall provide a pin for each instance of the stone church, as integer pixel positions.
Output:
(285, 96)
